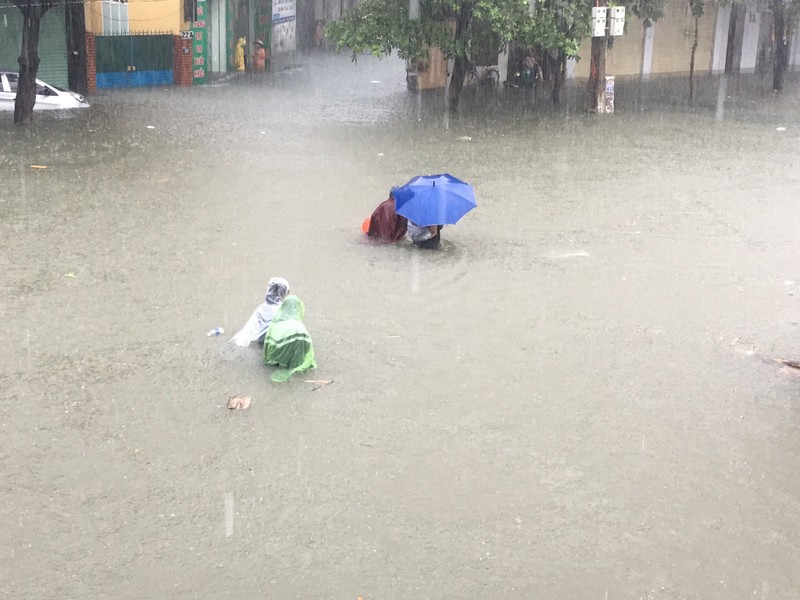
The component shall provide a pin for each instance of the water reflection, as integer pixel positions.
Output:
(554, 403)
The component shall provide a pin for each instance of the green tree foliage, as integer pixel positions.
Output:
(383, 26)
(557, 25)
(648, 11)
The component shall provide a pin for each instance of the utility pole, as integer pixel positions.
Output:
(606, 22)
(597, 69)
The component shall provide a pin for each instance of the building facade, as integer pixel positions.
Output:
(732, 39)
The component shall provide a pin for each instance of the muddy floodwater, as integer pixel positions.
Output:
(572, 399)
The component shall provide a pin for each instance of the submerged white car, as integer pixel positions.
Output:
(48, 97)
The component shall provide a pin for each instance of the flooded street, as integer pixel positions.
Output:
(572, 399)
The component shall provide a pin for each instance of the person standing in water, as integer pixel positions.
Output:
(288, 343)
(256, 327)
(425, 236)
(259, 57)
(238, 56)
(385, 224)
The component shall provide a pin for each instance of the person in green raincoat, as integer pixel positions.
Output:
(287, 343)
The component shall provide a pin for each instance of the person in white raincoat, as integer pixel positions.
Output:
(256, 327)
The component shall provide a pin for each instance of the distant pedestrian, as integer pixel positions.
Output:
(238, 56)
(531, 73)
(259, 57)
(319, 34)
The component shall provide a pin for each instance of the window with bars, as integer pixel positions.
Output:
(115, 17)
(190, 10)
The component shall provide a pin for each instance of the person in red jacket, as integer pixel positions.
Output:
(385, 224)
(259, 57)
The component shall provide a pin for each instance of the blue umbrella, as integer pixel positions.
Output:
(434, 199)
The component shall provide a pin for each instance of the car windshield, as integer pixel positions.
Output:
(41, 89)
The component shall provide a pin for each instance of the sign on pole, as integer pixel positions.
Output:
(200, 46)
(616, 19)
(599, 21)
(609, 21)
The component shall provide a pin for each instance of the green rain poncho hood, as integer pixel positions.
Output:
(287, 343)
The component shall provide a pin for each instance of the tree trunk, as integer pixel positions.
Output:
(457, 82)
(558, 77)
(32, 13)
(597, 76)
(691, 60)
(460, 63)
(781, 57)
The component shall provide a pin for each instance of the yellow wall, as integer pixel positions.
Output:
(672, 47)
(624, 58)
(93, 12)
(433, 75)
(155, 15)
(143, 16)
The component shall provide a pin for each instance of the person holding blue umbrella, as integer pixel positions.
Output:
(430, 202)
(425, 236)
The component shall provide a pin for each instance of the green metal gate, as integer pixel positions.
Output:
(134, 60)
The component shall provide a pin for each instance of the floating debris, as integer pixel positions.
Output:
(553, 255)
(792, 364)
(318, 383)
(239, 402)
(748, 349)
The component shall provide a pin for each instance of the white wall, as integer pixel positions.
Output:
(502, 65)
(647, 51)
(216, 50)
(721, 39)
(752, 27)
(571, 64)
